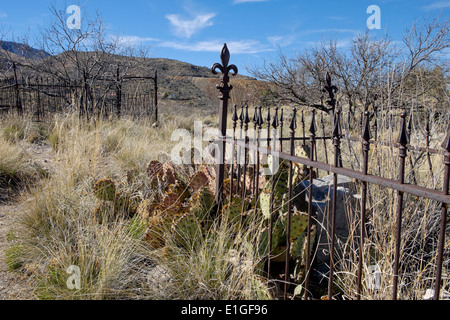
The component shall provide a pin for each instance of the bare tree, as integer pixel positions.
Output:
(84, 58)
(370, 70)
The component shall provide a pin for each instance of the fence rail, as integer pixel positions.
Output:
(274, 124)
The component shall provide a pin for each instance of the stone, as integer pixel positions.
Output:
(347, 203)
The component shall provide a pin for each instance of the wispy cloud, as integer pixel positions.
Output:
(186, 28)
(3, 15)
(237, 47)
(438, 5)
(243, 1)
(281, 41)
(132, 40)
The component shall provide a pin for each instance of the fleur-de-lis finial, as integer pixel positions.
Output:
(224, 67)
(331, 89)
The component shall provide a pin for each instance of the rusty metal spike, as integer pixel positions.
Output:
(275, 122)
(313, 127)
(403, 137)
(293, 124)
(366, 131)
(235, 116)
(260, 119)
(337, 124)
(410, 125)
(241, 116)
(446, 143)
(246, 118)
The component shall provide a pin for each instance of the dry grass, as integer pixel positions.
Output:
(58, 228)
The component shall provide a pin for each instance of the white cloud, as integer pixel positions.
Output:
(438, 5)
(281, 41)
(235, 47)
(243, 1)
(132, 40)
(186, 28)
(3, 15)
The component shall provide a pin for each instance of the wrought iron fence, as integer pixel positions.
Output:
(244, 175)
(121, 95)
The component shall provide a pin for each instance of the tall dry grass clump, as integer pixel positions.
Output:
(60, 225)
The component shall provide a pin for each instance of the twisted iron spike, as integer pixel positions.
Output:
(246, 118)
(427, 125)
(268, 115)
(403, 136)
(255, 117)
(260, 120)
(235, 117)
(446, 143)
(409, 127)
(282, 116)
(275, 122)
(337, 123)
(313, 128)
(241, 116)
(361, 121)
(293, 124)
(302, 120)
(366, 132)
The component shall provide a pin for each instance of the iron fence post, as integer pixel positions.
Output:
(312, 139)
(224, 89)
(336, 143)
(365, 148)
(275, 124)
(403, 141)
(292, 127)
(437, 284)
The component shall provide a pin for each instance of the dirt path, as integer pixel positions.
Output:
(17, 285)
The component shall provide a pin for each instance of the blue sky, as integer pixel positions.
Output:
(194, 30)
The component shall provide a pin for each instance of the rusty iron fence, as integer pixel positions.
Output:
(331, 162)
(116, 95)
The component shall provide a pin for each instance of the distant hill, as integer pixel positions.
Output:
(181, 85)
(23, 50)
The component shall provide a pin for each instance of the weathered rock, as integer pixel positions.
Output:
(346, 213)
